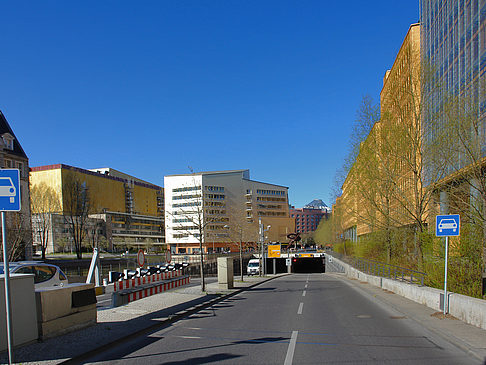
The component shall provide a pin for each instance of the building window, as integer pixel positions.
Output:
(8, 141)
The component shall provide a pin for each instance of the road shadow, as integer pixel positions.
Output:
(79, 342)
(128, 349)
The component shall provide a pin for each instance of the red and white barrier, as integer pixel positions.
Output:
(143, 293)
(131, 283)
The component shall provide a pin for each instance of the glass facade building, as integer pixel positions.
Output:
(453, 49)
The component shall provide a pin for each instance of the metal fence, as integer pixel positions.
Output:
(382, 269)
(77, 270)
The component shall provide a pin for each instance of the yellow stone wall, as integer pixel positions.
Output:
(145, 200)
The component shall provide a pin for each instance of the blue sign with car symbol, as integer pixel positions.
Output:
(447, 225)
(9, 190)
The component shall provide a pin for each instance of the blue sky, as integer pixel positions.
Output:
(152, 87)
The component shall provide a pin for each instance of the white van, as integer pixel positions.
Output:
(253, 267)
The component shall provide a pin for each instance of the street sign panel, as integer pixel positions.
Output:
(274, 251)
(168, 256)
(140, 258)
(9, 190)
(447, 225)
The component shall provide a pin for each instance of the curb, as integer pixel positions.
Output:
(162, 324)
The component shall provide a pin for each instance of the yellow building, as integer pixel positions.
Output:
(131, 209)
(383, 188)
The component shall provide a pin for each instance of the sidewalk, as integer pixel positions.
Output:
(116, 323)
(469, 338)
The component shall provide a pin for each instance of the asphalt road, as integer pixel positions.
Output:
(296, 319)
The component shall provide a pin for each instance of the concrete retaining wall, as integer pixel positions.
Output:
(467, 309)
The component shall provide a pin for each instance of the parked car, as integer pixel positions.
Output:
(45, 275)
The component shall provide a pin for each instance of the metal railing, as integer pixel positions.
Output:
(382, 269)
(77, 270)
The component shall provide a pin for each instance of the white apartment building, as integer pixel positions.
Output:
(224, 208)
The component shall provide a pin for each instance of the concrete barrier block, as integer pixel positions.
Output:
(60, 311)
(225, 272)
(73, 322)
(24, 315)
(55, 302)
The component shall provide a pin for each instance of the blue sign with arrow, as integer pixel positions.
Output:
(9, 190)
(447, 225)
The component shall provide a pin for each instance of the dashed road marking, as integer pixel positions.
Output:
(303, 294)
(291, 349)
(301, 307)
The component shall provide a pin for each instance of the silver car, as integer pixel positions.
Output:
(45, 275)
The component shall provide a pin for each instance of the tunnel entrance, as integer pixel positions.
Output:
(308, 265)
(303, 265)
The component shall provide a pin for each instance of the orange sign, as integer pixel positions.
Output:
(274, 251)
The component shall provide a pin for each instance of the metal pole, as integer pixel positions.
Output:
(445, 276)
(7, 291)
(241, 255)
(260, 227)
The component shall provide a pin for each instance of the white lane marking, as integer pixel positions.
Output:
(291, 349)
(189, 337)
(194, 328)
(303, 294)
(301, 307)
(305, 286)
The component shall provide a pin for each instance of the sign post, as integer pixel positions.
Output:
(445, 226)
(9, 201)
(168, 256)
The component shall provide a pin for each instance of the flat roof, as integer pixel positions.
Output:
(93, 173)
(210, 172)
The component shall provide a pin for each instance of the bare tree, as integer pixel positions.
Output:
(18, 235)
(241, 232)
(44, 202)
(76, 209)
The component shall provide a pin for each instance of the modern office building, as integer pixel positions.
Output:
(12, 156)
(453, 46)
(453, 43)
(222, 208)
(307, 219)
(126, 211)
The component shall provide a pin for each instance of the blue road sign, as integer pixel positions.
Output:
(447, 225)
(9, 190)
